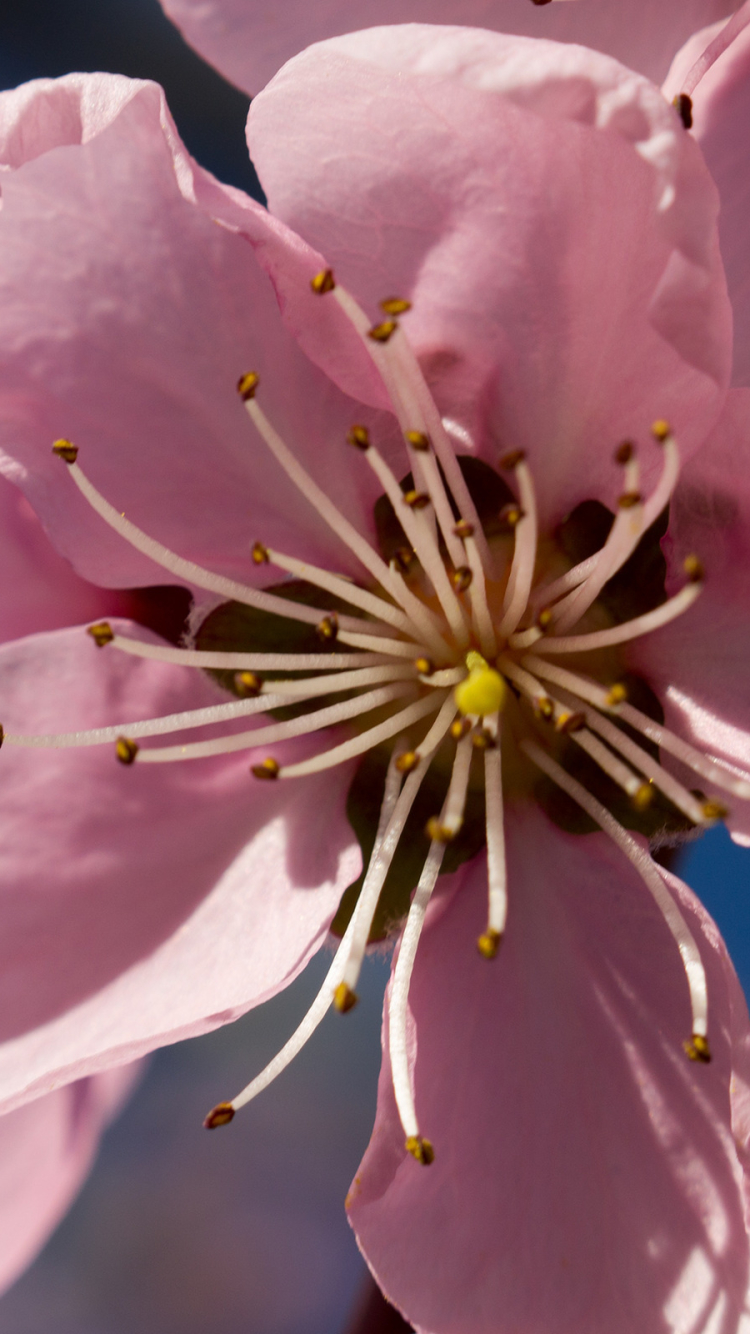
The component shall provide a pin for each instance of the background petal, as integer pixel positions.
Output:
(248, 41)
(148, 903)
(519, 194)
(586, 1175)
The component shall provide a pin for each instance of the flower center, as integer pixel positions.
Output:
(448, 653)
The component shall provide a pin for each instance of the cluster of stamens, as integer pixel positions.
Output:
(439, 639)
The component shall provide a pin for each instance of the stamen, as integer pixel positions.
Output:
(691, 959)
(717, 47)
(524, 552)
(497, 876)
(480, 612)
(343, 588)
(620, 634)
(270, 662)
(359, 744)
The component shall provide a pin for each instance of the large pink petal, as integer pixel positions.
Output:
(517, 192)
(147, 903)
(46, 1150)
(587, 1176)
(698, 664)
(721, 106)
(248, 41)
(129, 307)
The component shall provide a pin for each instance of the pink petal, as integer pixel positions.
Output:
(721, 106)
(143, 904)
(126, 317)
(248, 41)
(587, 1176)
(698, 664)
(46, 1150)
(517, 193)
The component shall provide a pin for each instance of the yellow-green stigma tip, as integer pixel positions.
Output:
(483, 691)
(344, 999)
(421, 1149)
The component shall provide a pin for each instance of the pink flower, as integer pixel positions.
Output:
(553, 226)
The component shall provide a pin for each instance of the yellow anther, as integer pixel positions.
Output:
(260, 553)
(407, 761)
(460, 728)
(439, 833)
(101, 633)
(483, 691)
(421, 1149)
(65, 450)
(126, 750)
(461, 578)
(624, 452)
(488, 943)
(483, 740)
(683, 105)
(323, 282)
(418, 440)
(544, 707)
(661, 431)
(512, 460)
(395, 305)
(629, 499)
(328, 628)
(464, 529)
(642, 796)
(511, 514)
(247, 684)
(380, 333)
(267, 769)
(247, 385)
(570, 722)
(697, 1048)
(416, 500)
(715, 810)
(424, 666)
(344, 999)
(220, 1115)
(693, 568)
(359, 436)
(544, 619)
(617, 694)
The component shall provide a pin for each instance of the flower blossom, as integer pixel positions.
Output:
(482, 340)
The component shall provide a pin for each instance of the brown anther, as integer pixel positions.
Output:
(617, 694)
(380, 333)
(544, 618)
(403, 559)
(344, 999)
(323, 282)
(2, 734)
(424, 666)
(460, 728)
(416, 500)
(259, 553)
(570, 722)
(541, 2)
(661, 430)
(418, 441)
(359, 436)
(439, 833)
(697, 1048)
(693, 568)
(421, 1149)
(267, 770)
(510, 514)
(624, 452)
(683, 105)
(220, 1115)
(65, 450)
(101, 633)
(544, 707)
(407, 761)
(247, 684)
(395, 305)
(483, 739)
(247, 385)
(629, 499)
(463, 529)
(328, 628)
(126, 750)
(488, 943)
(461, 578)
(512, 460)
(643, 796)
(715, 810)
